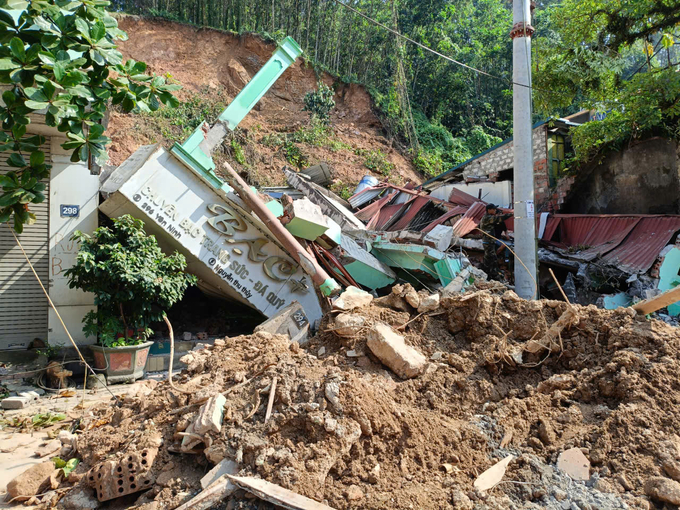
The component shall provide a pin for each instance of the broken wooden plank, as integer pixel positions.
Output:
(270, 403)
(276, 494)
(493, 476)
(657, 303)
(216, 492)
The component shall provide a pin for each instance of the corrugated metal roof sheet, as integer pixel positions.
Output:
(456, 211)
(365, 196)
(643, 245)
(470, 219)
(414, 208)
(459, 197)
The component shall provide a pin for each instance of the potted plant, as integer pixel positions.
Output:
(133, 283)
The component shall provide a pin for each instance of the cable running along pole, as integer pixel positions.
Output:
(525, 222)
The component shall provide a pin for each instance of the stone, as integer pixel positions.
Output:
(354, 493)
(457, 284)
(321, 352)
(28, 483)
(352, 298)
(672, 469)
(390, 348)
(663, 489)
(79, 498)
(546, 432)
(187, 336)
(18, 388)
(96, 381)
(429, 304)
(66, 438)
(332, 392)
(461, 501)
(374, 474)
(411, 296)
(225, 467)
(15, 403)
(352, 354)
(348, 325)
(624, 482)
(574, 463)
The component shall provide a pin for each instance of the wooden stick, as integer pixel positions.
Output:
(558, 285)
(270, 404)
(657, 303)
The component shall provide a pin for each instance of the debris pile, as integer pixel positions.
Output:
(389, 408)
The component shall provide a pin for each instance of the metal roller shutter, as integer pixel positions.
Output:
(23, 306)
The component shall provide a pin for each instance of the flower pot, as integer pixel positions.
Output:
(121, 364)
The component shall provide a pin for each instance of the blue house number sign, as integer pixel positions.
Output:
(69, 211)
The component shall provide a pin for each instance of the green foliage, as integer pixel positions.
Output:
(237, 150)
(294, 155)
(342, 190)
(376, 161)
(66, 467)
(29, 423)
(320, 103)
(616, 57)
(60, 57)
(132, 280)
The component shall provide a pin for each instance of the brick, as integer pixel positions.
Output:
(15, 403)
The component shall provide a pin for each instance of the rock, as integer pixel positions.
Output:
(352, 298)
(223, 468)
(574, 463)
(321, 352)
(374, 475)
(352, 354)
(332, 392)
(15, 402)
(461, 501)
(624, 482)
(546, 432)
(210, 415)
(411, 296)
(559, 495)
(663, 489)
(80, 498)
(66, 438)
(348, 325)
(97, 381)
(28, 483)
(429, 304)
(354, 493)
(672, 469)
(390, 348)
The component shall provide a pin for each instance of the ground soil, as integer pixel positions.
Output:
(214, 66)
(496, 385)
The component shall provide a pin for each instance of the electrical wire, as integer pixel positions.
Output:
(446, 57)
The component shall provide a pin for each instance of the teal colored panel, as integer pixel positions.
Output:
(669, 277)
(368, 276)
(620, 300)
(305, 229)
(275, 207)
(408, 256)
(447, 270)
(283, 57)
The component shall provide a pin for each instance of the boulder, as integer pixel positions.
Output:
(390, 348)
(28, 483)
(352, 298)
(663, 489)
(429, 304)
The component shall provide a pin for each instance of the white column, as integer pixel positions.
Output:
(525, 222)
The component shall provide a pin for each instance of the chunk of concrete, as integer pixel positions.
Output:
(390, 348)
(352, 298)
(28, 483)
(15, 402)
(304, 219)
(210, 415)
(411, 296)
(440, 237)
(574, 463)
(291, 321)
(48, 448)
(79, 498)
(457, 284)
(223, 468)
(429, 303)
(663, 489)
(348, 324)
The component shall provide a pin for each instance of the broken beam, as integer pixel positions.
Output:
(662, 301)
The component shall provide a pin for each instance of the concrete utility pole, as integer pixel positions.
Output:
(525, 222)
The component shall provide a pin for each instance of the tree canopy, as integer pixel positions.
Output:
(59, 58)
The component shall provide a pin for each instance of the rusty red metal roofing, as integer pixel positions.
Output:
(459, 197)
(456, 211)
(385, 215)
(642, 246)
(414, 207)
(550, 227)
(470, 219)
(368, 212)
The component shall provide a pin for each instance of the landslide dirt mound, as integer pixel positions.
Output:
(347, 431)
(213, 66)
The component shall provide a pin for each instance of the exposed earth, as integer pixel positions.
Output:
(213, 66)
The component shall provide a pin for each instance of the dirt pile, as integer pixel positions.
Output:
(213, 66)
(347, 431)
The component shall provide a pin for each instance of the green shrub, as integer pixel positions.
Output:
(237, 151)
(132, 280)
(320, 103)
(429, 163)
(294, 155)
(376, 161)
